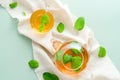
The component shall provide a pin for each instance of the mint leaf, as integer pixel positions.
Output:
(24, 14)
(13, 5)
(58, 55)
(41, 28)
(60, 27)
(76, 62)
(67, 58)
(44, 19)
(102, 52)
(79, 24)
(49, 76)
(33, 63)
(75, 51)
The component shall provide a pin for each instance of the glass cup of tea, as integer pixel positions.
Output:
(42, 21)
(71, 58)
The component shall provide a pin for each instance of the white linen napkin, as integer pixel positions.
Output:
(97, 69)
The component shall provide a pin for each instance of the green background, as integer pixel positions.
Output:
(102, 16)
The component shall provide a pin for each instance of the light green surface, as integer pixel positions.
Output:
(103, 16)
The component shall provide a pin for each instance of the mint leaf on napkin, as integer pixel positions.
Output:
(60, 27)
(49, 76)
(13, 5)
(79, 24)
(102, 52)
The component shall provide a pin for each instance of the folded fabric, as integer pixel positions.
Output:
(97, 68)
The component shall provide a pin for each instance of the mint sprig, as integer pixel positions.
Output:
(44, 20)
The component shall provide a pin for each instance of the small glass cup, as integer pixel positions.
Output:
(35, 21)
(67, 48)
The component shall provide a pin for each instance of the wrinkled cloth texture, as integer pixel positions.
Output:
(97, 68)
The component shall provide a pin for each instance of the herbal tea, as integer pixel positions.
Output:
(71, 58)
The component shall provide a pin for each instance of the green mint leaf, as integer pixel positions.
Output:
(24, 14)
(102, 52)
(58, 55)
(49, 76)
(67, 58)
(76, 62)
(13, 5)
(79, 24)
(41, 28)
(33, 63)
(75, 51)
(44, 19)
(60, 27)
